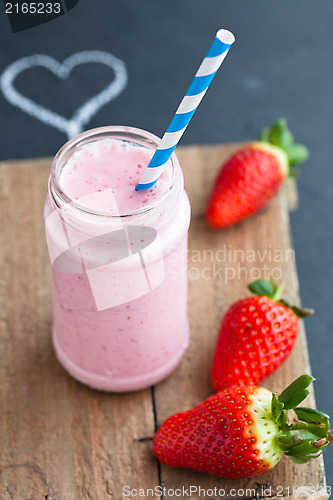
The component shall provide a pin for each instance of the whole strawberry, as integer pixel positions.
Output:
(243, 431)
(253, 174)
(256, 335)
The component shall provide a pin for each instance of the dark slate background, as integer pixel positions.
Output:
(280, 65)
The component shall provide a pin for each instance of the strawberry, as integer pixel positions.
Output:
(256, 335)
(252, 175)
(243, 431)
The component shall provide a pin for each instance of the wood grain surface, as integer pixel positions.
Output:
(61, 440)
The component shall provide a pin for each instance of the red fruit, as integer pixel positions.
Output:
(242, 431)
(256, 335)
(252, 176)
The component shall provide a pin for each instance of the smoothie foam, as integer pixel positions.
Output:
(110, 164)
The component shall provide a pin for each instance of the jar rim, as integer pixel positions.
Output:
(119, 132)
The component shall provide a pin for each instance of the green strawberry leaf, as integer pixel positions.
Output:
(276, 132)
(287, 441)
(262, 287)
(300, 432)
(317, 431)
(297, 153)
(266, 288)
(312, 416)
(302, 312)
(277, 407)
(301, 460)
(296, 392)
(279, 135)
(317, 422)
(303, 449)
(308, 448)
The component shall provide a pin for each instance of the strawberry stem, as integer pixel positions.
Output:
(305, 437)
(278, 293)
(279, 135)
(266, 288)
(273, 291)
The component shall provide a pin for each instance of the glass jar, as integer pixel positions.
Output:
(119, 261)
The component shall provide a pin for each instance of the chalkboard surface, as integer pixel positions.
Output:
(130, 62)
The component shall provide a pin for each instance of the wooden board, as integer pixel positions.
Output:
(61, 440)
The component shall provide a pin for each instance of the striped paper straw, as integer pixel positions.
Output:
(205, 74)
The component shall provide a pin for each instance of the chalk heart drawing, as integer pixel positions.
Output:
(89, 108)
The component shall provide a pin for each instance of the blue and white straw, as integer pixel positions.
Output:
(205, 74)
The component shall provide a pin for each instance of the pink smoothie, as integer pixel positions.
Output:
(110, 164)
(141, 337)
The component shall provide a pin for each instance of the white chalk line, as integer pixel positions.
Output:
(89, 108)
